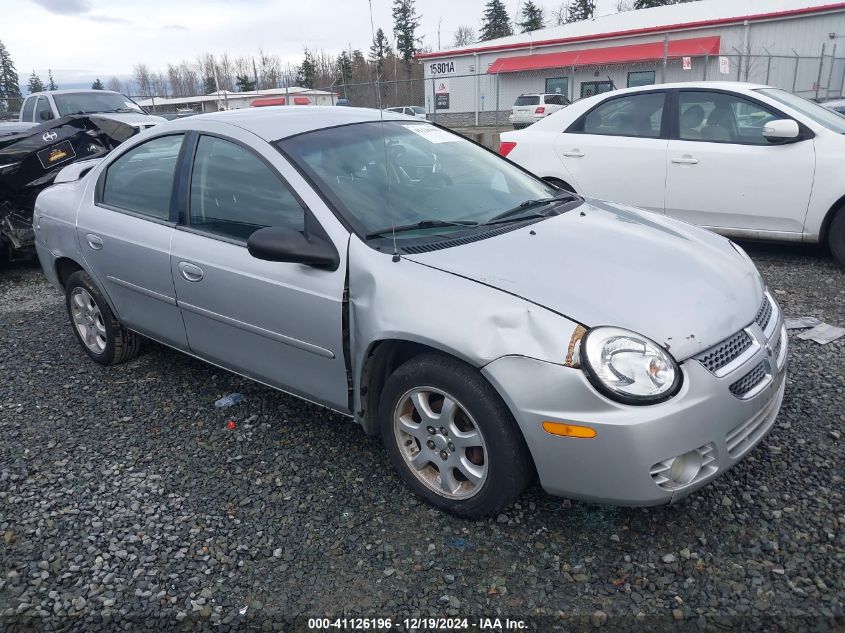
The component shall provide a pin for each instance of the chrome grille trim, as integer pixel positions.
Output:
(764, 314)
(719, 360)
(752, 382)
(660, 471)
(746, 435)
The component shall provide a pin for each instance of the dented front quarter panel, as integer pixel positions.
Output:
(408, 301)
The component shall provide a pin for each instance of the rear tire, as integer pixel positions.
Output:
(98, 331)
(476, 461)
(836, 237)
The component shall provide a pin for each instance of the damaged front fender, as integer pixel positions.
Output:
(407, 301)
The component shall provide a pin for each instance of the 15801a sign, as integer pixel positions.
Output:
(441, 68)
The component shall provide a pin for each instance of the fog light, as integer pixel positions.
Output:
(685, 467)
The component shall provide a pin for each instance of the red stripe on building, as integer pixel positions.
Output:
(694, 47)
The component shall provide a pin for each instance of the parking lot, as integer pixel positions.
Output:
(125, 498)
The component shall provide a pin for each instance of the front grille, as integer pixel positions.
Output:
(747, 434)
(764, 314)
(749, 380)
(717, 357)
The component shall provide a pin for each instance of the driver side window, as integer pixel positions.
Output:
(722, 118)
(234, 193)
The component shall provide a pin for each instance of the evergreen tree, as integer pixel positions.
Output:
(581, 10)
(496, 22)
(405, 23)
(344, 68)
(35, 84)
(10, 92)
(209, 85)
(380, 49)
(307, 71)
(532, 17)
(244, 83)
(98, 85)
(51, 85)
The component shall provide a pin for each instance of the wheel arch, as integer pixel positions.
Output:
(65, 267)
(381, 359)
(837, 206)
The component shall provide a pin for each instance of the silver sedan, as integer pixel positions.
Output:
(488, 326)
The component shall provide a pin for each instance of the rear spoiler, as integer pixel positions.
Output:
(74, 172)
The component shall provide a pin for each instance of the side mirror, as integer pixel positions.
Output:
(279, 244)
(45, 115)
(781, 130)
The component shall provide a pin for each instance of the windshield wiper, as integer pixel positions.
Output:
(506, 216)
(422, 224)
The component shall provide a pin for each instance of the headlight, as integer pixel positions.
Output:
(628, 367)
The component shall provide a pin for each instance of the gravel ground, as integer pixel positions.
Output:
(126, 503)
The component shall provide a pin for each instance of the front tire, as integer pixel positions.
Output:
(836, 237)
(98, 331)
(451, 438)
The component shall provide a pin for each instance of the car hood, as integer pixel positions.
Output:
(607, 264)
(133, 119)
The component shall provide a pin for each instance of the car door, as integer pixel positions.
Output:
(617, 150)
(723, 173)
(124, 232)
(280, 323)
(43, 111)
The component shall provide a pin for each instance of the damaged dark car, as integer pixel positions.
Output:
(30, 161)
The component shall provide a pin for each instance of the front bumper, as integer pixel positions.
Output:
(629, 460)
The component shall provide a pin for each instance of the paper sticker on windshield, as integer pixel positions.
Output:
(434, 134)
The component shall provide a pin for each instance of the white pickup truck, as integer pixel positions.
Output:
(40, 107)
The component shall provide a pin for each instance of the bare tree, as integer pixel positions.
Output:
(561, 14)
(464, 36)
(115, 84)
(624, 5)
(143, 79)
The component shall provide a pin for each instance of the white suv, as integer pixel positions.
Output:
(530, 108)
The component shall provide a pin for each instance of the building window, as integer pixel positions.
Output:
(590, 88)
(557, 85)
(640, 78)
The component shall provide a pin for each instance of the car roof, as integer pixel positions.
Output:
(276, 122)
(735, 86)
(65, 91)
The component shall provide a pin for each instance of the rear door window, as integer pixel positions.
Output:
(141, 180)
(28, 110)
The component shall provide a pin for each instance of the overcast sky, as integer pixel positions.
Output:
(84, 39)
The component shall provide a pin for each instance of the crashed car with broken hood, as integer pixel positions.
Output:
(488, 326)
(30, 160)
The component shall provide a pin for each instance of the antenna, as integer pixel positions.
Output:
(383, 141)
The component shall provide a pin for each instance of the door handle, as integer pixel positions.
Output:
(685, 160)
(574, 153)
(190, 272)
(94, 241)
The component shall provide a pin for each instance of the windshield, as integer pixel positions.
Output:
(94, 101)
(822, 116)
(431, 176)
(418, 109)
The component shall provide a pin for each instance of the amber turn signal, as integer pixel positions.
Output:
(569, 430)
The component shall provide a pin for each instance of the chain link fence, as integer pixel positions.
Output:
(485, 100)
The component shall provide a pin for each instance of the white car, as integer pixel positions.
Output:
(528, 109)
(414, 111)
(747, 161)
